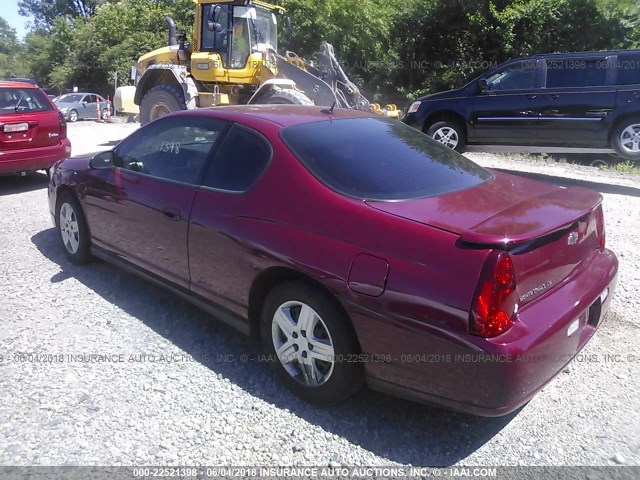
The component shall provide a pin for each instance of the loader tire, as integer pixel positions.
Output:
(285, 97)
(161, 100)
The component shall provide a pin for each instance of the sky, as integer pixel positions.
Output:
(10, 13)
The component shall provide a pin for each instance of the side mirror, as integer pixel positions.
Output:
(103, 160)
(483, 85)
(212, 20)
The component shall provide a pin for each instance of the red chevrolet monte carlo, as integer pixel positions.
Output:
(33, 133)
(355, 248)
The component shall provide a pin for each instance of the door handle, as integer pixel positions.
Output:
(555, 96)
(532, 97)
(172, 213)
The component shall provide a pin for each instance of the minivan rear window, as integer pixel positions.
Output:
(22, 100)
(576, 72)
(628, 67)
(380, 159)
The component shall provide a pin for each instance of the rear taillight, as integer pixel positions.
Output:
(63, 125)
(495, 303)
(600, 228)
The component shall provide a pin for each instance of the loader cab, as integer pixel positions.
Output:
(237, 31)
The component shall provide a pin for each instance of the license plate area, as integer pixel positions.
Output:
(16, 127)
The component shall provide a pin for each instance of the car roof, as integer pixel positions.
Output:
(12, 84)
(590, 53)
(283, 115)
(79, 93)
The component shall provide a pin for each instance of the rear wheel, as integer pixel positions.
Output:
(448, 133)
(285, 97)
(72, 229)
(161, 100)
(626, 139)
(309, 342)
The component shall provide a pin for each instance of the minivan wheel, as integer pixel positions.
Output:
(309, 344)
(626, 139)
(72, 229)
(448, 133)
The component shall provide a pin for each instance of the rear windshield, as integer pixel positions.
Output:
(22, 100)
(380, 159)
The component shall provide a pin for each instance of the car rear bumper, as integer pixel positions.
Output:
(493, 377)
(31, 159)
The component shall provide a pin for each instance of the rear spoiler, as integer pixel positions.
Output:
(521, 224)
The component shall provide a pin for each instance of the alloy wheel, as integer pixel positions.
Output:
(630, 138)
(303, 343)
(446, 136)
(69, 228)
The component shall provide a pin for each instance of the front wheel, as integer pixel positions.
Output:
(626, 139)
(161, 100)
(73, 116)
(310, 345)
(448, 133)
(72, 229)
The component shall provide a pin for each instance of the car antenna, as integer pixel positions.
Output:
(330, 110)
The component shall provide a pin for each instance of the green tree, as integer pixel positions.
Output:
(360, 33)
(44, 12)
(11, 64)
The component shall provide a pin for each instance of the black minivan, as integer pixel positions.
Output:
(586, 100)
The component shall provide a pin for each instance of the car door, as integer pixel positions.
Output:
(577, 98)
(223, 215)
(506, 109)
(87, 108)
(140, 209)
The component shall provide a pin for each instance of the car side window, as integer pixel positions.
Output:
(521, 76)
(174, 149)
(241, 159)
(628, 67)
(576, 72)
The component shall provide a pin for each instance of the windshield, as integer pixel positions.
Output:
(267, 30)
(71, 98)
(380, 159)
(22, 100)
(261, 24)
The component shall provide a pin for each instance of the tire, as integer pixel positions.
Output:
(161, 100)
(625, 139)
(72, 229)
(450, 134)
(326, 382)
(73, 116)
(285, 97)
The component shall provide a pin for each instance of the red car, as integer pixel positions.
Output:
(355, 248)
(33, 133)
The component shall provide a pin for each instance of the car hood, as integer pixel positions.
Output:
(504, 210)
(77, 163)
(444, 95)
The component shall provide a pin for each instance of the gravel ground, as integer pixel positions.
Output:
(194, 402)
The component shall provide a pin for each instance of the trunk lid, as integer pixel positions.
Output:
(548, 230)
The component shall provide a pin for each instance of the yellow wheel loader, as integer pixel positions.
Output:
(233, 60)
